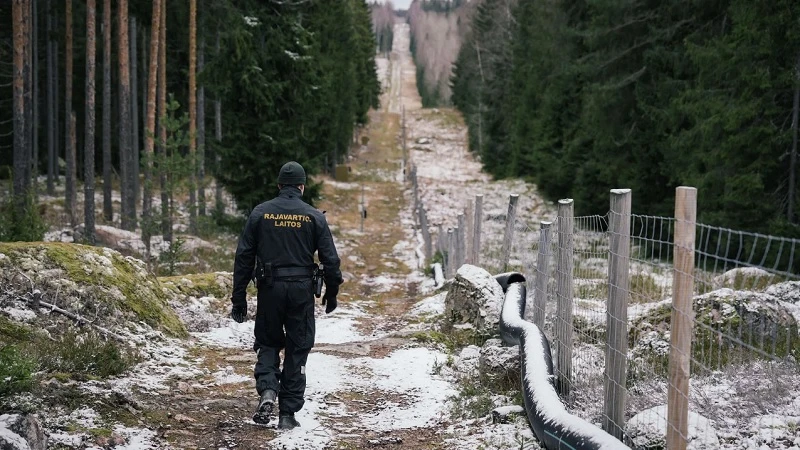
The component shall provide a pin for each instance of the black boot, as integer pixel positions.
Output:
(286, 421)
(265, 407)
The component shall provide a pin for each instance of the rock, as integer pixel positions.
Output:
(468, 362)
(648, 429)
(506, 414)
(474, 298)
(21, 432)
(497, 359)
(760, 318)
(742, 278)
(98, 284)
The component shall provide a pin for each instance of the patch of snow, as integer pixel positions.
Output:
(428, 393)
(649, 428)
(232, 335)
(65, 439)
(136, 438)
(9, 437)
(19, 314)
(339, 326)
(228, 375)
(433, 305)
(470, 435)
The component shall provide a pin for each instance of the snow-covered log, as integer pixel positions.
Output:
(551, 423)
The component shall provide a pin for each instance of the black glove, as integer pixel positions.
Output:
(331, 303)
(239, 311)
(329, 299)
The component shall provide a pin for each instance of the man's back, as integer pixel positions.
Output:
(287, 230)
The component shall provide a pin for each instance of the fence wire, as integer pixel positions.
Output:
(745, 346)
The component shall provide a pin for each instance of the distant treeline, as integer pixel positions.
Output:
(581, 97)
(383, 16)
(437, 29)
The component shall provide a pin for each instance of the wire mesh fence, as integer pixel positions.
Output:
(729, 376)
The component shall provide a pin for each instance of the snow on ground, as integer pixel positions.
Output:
(409, 396)
(233, 335)
(339, 326)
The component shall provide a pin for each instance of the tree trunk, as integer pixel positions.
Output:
(166, 213)
(143, 73)
(201, 133)
(35, 93)
(134, 107)
(51, 114)
(793, 156)
(193, 115)
(88, 154)
(70, 193)
(125, 153)
(57, 108)
(26, 71)
(18, 8)
(108, 206)
(150, 126)
(218, 205)
(72, 132)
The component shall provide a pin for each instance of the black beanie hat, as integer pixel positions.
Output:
(292, 173)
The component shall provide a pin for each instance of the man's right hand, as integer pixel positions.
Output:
(239, 312)
(329, 299)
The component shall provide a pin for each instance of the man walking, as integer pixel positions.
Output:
(279, 241)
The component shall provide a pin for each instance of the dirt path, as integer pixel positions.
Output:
(368, 385)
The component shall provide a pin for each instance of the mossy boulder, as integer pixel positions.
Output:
(201, 300)
(214, 284)
(99, 284)
(474, 298)
(730, 327)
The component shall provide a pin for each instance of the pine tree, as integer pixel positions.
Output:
(69, 148)
(128, 171)
(108, 211)
(150, 125)
(91, 48)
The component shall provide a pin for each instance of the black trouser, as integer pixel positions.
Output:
(287, 305)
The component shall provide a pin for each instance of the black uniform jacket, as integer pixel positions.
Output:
(285, 232)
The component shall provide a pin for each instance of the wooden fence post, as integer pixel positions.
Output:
(415, 186)
(617, 312)
(476, 230)
(542, 269)
(681, 320)
(440, 237)
(461, 239)
(468, 231)
(426, 233)
(405, 150)
(509, 234)
(564, 292)
(451, 252)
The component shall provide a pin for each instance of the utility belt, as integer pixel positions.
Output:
(265, 275)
